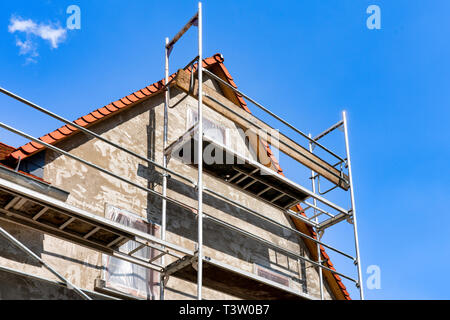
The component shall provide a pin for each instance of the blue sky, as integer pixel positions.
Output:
(305, 60)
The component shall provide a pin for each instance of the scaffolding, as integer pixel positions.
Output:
(34, 205)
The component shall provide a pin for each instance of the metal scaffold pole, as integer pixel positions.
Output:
(353, 210)
(319, 255)
(200, 154)
(164, 179)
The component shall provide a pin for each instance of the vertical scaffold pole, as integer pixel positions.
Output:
(352, 196)
(164, 179)
(319, 255)
(200, 154)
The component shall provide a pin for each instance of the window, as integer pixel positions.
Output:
(272, 275)
(122, 275)
(212, 130)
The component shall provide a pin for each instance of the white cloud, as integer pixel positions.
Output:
(26, 47)
(54, 34)
(17, 24)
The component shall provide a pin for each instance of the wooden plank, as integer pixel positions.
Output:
(249, 122)
(192, 22)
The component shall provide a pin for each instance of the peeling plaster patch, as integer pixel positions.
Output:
(81, 190)
(102, 147)
(61, 174)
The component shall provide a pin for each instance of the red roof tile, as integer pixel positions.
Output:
(97, 114)
(5, 151)
(139, 95)
(104, 111)
(132, 98)
(111, 108)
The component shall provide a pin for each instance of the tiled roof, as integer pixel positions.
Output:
(5, 151)
(216, 62)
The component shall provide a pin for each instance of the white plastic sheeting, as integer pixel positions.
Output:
(211, 129)
(124, 276)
